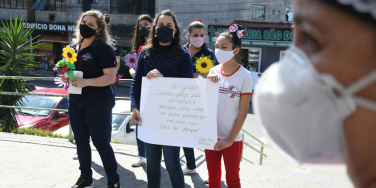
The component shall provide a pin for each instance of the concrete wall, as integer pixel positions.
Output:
(19, 13)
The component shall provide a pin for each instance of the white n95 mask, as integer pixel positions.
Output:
(301, 112)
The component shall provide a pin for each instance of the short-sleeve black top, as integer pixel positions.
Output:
(91, 61)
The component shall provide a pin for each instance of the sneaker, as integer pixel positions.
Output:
(83, 182)
(139, 161)
(113, 185)
(75, 157)
(187, 171)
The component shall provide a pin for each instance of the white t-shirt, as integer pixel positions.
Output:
(231, 87)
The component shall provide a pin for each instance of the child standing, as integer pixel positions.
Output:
(233, 101)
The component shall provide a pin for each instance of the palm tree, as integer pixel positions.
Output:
(17, 44)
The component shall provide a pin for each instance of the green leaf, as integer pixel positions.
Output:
(209, 56)
(71, 66)
(196, 58)
(70, 74)
(202, 55)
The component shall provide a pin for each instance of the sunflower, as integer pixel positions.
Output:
(203, 64)
(69, 54)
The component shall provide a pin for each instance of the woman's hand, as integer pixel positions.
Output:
(222, 144)
(214, 78)
(135, 117)
(64, 79)
(153, 74)
(79, 82)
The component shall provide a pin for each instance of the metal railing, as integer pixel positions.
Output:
(245, 144)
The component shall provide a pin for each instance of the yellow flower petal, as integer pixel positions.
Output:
(74, 55)
(65, 50)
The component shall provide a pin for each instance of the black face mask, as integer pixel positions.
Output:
(86, 31)
(165, 34)
(145, 31)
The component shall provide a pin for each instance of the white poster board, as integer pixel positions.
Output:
(179, 112)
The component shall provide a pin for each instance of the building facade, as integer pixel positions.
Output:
(54, 20)
(268, 24)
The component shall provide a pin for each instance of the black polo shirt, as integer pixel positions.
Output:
(91, 61)
(204, 50)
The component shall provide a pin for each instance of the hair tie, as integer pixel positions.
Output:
(235, 29)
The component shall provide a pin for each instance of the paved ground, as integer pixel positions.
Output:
(33, 161)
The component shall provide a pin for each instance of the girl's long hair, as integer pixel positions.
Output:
(103, 35)
(153, 42)
(139, 40)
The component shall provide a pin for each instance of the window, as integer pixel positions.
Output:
(131, 6)
(254, 59)
(258, 12)
(16, 4)
(91, 1)
(60, 5)
(52, 18)
(289, 16)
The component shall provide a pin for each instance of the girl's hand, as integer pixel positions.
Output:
(64, 79)
(214, 78)
(79, 82)
(153, 74)
(135, 117)
(222, 144)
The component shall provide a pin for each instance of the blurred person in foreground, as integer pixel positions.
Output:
(318, 104)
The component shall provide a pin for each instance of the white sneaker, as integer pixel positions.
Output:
(75, 157)
(139, 161)
(187, 171)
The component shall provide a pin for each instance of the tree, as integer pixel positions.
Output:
(16, 44)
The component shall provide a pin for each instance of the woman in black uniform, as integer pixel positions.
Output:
(90, 112)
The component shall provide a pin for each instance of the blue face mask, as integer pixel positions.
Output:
(165, 34)
(144, 31)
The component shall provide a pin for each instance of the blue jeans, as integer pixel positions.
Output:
(140, 145)
(153, 165)
(93, 121)
(190, 158)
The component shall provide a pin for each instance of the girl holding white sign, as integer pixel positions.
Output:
(90, 112)
(233, 102)
(163, 56)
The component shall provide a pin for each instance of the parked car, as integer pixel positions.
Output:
(30, 86)
(44, 119)
(121, 125)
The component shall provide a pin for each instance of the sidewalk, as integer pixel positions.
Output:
(40, 162)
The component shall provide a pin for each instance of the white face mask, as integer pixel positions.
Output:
(223, 56)
(300, 111)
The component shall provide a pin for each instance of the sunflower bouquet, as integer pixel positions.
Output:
(66, 65)
(203, 64)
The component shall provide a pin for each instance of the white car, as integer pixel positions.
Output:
(121, 125)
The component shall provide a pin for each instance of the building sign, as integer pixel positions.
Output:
(258, 36)
(51, 27)
(44, 46)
